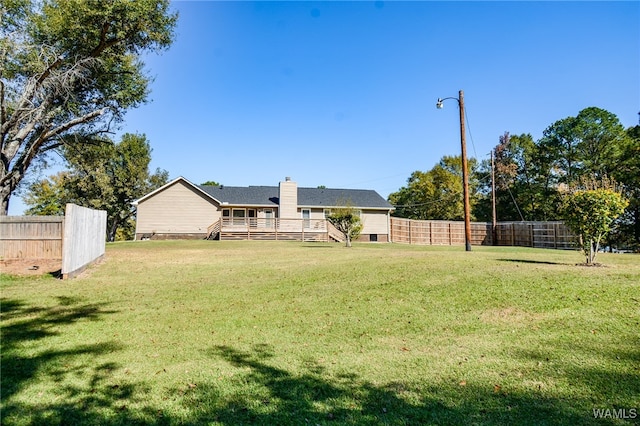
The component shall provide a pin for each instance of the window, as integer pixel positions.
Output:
(306, 215)
(268, 216)
(238, 216)
(327, 213)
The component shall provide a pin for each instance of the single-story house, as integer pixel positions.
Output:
(181, 210)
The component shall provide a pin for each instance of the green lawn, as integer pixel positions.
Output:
(273, 333)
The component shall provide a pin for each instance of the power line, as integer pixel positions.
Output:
(419, 204)
(470, 135)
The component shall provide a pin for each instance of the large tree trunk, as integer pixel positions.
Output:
(4, 203)
(5, 194)
(111, 236)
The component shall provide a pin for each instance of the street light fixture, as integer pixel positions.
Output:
(465, 174)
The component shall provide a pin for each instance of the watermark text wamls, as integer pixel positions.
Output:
(615, 413)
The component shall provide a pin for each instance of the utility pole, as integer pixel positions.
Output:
(465, 176)
(465, 171)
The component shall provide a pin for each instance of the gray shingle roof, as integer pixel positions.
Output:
(307, 197)
(328, 197)
(243, 195)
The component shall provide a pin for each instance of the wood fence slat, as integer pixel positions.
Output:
(31, 237)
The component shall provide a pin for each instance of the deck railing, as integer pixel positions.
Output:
(251, 228)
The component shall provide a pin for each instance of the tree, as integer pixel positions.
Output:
(589, 144)
(590, 211)
(627, 172)
(530, 176)
(346, 220)
(210, 183)
(436, 194)
(48, 197)
(70, 69)
(103, 176)
(524, 190)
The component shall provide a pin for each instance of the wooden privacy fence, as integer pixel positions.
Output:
(554, 235)
(439, 232)
(31, 237)
(77, 239)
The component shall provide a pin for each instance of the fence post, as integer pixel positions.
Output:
(513, 234)
(531, 236)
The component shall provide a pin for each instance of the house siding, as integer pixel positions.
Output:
(181, 210)
(288, 197)
(375, 222)
(178, 211)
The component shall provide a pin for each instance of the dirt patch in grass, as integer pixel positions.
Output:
(30, 267)
(592, 265)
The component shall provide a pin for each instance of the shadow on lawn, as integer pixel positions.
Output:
(538, 262)
(88, 400)
(260, 393)
(270, 395)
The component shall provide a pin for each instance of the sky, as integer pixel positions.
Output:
(343, 94)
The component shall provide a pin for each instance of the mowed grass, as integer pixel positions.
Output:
(277, 333)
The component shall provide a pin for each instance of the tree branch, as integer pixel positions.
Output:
(80, 120)
(33, 148)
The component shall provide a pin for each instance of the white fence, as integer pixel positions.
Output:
(84, 238)
(77, 239)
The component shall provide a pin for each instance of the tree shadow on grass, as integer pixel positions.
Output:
(613, 372)
(263, 392)
(537, 262)
(265, 395)
(86, 392)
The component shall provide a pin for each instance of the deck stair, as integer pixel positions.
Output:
(335, 234)
(213, 230)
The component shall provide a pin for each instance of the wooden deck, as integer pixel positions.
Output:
(274, 229)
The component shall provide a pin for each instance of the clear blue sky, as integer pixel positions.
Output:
(343, 94)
